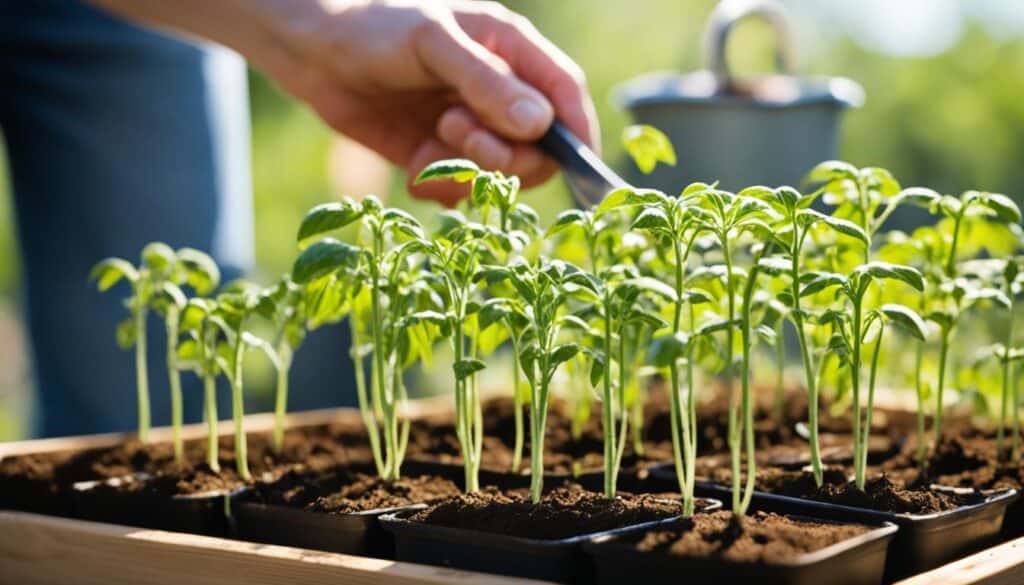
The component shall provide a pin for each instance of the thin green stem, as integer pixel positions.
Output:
(517, 405)
(857, 336)
(780, 370)
(212, 451)
(734, 427)
(238, 412)
(862, 464)
(284, 357)
(174, 382)
(141, 373)
(922, 439)
(943, 353)
(365, 409)
(1004, 398)
(608, 424)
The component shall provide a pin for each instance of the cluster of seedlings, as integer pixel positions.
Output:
(689, 293)
(684, 287)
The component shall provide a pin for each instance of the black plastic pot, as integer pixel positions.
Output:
(924, 541)
(628, 480)
(561, 560)
(856, 561)
(358, 533)
(204, 513)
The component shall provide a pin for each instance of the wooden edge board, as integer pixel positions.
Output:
(45, 549)
(1002, 564)
(260, 422)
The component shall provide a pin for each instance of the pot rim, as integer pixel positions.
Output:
(767, 91)
(879, 531)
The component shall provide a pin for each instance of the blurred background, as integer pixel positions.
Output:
(943, 79)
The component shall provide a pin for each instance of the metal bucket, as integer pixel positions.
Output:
(740, 131)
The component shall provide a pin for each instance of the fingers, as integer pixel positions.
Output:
(462, 132)
(535, 60)
(485, 82)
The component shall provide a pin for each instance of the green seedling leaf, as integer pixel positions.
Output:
(651, 218)
(330, 216)
(906, 318)
(324, 257)
(110, 271)
(1004, 207)
(648, 146)
(158, 256)
(564, 353)
(201, 272)
(847, 228)
(126, 334)
(566, 219)
(820, 281)
(456, 169)
(885, 270)
(668, 349)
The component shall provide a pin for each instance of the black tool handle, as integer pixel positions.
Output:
(586, 172)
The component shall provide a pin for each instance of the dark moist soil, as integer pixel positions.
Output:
(756, 538)
(562, 512)
(43, 482)
(433, 439)
(962, 460)
(343, 491)
(880, 493)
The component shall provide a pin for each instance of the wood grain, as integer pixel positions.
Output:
(1000, 565)
(38, 549)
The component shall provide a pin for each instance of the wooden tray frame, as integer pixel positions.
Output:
(44, 549)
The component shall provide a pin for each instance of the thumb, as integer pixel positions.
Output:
(485, 82)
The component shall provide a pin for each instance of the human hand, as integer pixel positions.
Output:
(422, 81)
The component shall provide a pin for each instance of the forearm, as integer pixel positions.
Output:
(264, 31)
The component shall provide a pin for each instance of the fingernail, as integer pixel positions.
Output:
(528, 115)
(487, 150)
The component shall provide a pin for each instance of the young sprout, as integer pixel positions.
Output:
(234, 307)
(852, 327)
(727, 217)
(458, 251)
(156, 266)
(284, 305)
(623, 301)
(957, 295)
(543, 289)
(797, 219)
(199, 271)
(198, 352)
(1005, 272)
(379, 286)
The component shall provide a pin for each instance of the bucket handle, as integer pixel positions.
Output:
(725, 16)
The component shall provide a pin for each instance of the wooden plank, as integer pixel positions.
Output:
(42, 549)
(1000, 565)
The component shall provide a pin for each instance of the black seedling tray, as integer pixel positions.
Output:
(561, 560)
(358, 533)
(856, 561)
(592, 480)
(205, 513)
(924, 541)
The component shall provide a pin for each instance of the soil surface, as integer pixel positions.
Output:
(880, 493)
(756, 538)
(433, 439)
(562, 512)
(343, 491)
(43, 482)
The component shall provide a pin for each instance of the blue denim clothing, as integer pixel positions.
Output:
(117, 136)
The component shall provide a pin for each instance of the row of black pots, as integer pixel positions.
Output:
(923, 541)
